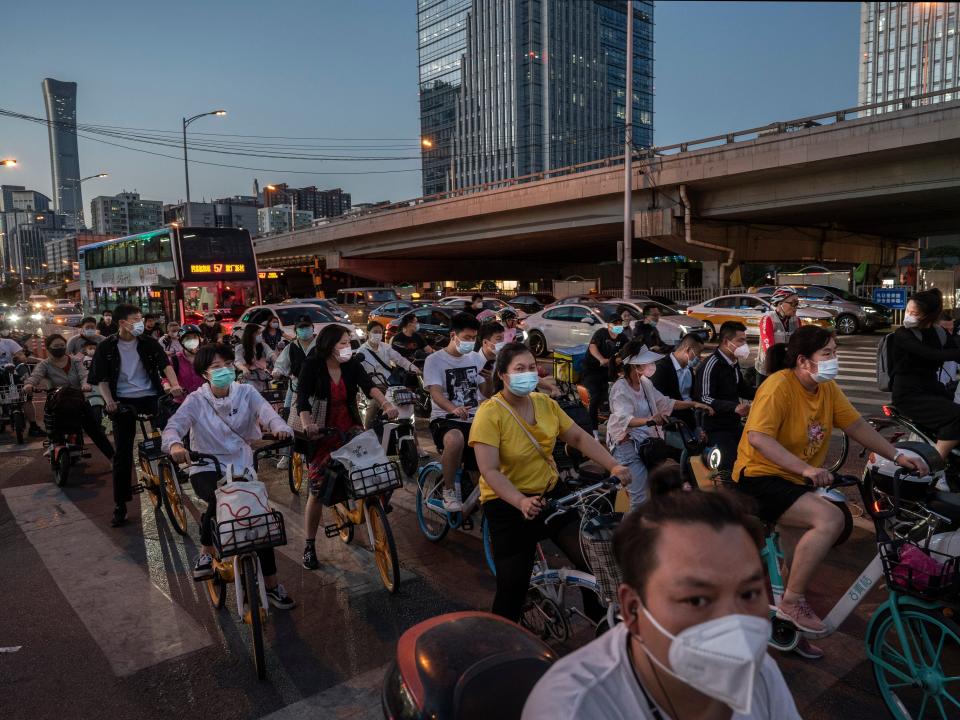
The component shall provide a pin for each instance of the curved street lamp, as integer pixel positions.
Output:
(8, 162)
(186, 168)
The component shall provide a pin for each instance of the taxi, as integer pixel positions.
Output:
(748, 309)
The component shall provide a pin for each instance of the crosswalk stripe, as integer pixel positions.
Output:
(358, 697)
(135, 624)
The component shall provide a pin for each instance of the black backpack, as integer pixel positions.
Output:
(885, 357)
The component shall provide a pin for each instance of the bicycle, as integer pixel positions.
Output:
(398, 438)
(159, 476)
(909, 631)
(235, 560)
(64, 443)
(434, 520)
(12, 399)
(357, 498)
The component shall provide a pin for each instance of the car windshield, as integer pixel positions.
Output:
(65, 311)
(381, 296)
(664, 309)
(290, 316)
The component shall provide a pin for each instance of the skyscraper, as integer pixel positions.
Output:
(907, 49)
(60, 100)
(514, 87)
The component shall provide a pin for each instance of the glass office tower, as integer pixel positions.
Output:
(60, 100)
(514, 87)
(907, 49)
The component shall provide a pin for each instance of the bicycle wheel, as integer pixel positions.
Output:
(62, 467)
(927, 684)
(384, 547)
(433, 521)
(217, 591)
(251, 586)
(343, 522)
(561, 584)
(542, 616)
(19, 423)
(153, 489)
(172, 495)
(296, 469)
(488, 545)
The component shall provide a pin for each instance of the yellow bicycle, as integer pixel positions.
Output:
(159, 476)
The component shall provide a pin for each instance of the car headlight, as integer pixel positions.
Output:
(685, 329)
(14, 318)
(869, 310)
(37, 316)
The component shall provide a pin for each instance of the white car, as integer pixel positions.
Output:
(289, 315)
(494, 305)
(571, 324)
(672, 326)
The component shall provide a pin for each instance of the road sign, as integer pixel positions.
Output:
(894, 298)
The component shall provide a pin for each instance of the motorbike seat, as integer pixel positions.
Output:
(513, 674)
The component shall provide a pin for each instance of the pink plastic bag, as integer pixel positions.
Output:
(916, 568)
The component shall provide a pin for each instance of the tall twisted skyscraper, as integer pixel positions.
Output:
(514, 87)
(60, 100)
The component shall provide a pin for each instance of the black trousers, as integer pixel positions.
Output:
(205, 486)
(92, 428)
(514, 541)
(598, 386)
(727, 441)
(124, 437)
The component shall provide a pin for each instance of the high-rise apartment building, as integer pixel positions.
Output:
(277, 219)
(125, 214)
(60, 101)
(906, 49)
(514, 87)
(322, 203)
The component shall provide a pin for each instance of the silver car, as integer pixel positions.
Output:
(289, 315)
(672, 326)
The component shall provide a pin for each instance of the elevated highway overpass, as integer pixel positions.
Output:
(830, 187)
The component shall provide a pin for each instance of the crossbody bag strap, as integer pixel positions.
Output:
(533, 441)
(382, 363)
(222, 421)
(651, 405)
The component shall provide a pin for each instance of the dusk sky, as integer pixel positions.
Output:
(343, 70)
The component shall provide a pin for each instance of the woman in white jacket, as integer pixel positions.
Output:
(635, 402)
(379, 359)
(223, 417)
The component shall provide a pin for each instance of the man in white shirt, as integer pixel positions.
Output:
(695, 630)
(452, 376)
(8, 346)
(379, 360)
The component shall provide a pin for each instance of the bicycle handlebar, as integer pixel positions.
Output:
(196, 458)
(275, 445)
(558, 506)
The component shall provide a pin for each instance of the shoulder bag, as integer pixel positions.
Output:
(533, 441)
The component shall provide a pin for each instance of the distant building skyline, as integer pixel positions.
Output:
(60, 102)
(514, 87)
(125, 213)
(906, 49)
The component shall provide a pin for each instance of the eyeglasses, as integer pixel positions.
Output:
(795, 303)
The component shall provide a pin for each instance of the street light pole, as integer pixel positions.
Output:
(186, 166)
(78, 211)
(628, 165)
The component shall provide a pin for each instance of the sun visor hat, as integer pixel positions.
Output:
(644, 357)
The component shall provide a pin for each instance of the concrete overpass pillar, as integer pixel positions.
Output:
(711, 273)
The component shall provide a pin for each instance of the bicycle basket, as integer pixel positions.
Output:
(596, 537)
(374, 480)
(257, 532)
(274, 396)
(919, 571)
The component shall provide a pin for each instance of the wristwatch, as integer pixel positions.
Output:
(897, 455)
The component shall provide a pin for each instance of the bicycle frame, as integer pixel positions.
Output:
(470, 505)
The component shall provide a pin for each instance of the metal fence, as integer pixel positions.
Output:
(692, 295)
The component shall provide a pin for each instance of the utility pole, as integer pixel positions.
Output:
(628, 165)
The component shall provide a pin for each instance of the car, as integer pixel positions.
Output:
(434, 322)
(384, 314)
(494, 305)
(563, 325)
(678, 305)
(329, 305)
(673, 325)
(851, 314)
(359, 301)
(748, 309)
(532, 303)
(289, 315)
(28, 320)
(65, 302)
(67, 316)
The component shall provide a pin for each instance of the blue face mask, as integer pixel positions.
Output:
(464, 347)
(616, 329)
(523, 383)
(304, 333)
(222, 377)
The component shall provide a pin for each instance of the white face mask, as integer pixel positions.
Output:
(375, 338)
(344, 354)
(721, 657)
(497, 347)
(827, 370)
(742, 352)
(910, 321)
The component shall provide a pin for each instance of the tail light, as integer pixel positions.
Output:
(888, 411)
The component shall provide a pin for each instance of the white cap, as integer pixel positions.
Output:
(644, 357)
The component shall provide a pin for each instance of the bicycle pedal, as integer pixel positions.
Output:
(331, 531)
(138, 488)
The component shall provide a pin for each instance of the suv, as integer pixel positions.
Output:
(358, 302)
(851, 314)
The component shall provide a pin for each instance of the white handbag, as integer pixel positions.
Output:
(245, 502)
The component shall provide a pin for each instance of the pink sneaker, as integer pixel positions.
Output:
(802, 615)
(808, 650)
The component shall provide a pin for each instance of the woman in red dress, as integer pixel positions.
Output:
(330, 375)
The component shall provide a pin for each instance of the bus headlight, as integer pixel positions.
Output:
(36, 316)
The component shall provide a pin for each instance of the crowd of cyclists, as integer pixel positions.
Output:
(491, 399)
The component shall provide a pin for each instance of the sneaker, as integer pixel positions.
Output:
(283, 463)
(802, 615)
(808, 650)
(119, 516)
(451, 503)
(310, 561)
(203, 567)
(279, 599)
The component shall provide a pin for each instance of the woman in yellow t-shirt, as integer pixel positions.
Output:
(784, 445)
(517, 475)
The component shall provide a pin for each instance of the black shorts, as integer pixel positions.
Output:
(772, 494)
(440, 426)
